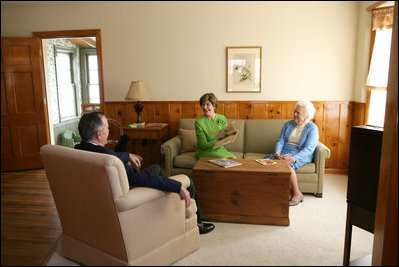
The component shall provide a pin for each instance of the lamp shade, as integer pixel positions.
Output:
(137, 91)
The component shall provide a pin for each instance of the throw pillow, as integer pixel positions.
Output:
(188, 140)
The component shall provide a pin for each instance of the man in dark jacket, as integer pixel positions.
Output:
(93, 128)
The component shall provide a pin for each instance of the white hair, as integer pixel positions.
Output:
(308, 108)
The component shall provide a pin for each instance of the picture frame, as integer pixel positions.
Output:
(244, 69)
(86, 108)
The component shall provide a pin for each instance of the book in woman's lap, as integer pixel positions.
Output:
(226, 136)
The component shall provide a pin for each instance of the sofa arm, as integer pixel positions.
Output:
(170, 149)
(321, 154)
(322, 151)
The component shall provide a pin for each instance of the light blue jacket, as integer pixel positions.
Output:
(307, 144)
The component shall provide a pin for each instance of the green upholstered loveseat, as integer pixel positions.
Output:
(256, 138)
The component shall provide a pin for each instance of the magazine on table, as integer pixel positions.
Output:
(265, 161)
(226, 136)
(225, 163)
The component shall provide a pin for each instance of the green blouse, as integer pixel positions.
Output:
(205, 130)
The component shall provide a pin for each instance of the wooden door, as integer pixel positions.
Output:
(24, 124)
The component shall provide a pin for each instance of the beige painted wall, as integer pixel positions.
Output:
(362, 51)
(310, 48)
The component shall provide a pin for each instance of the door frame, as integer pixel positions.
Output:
(80, 33)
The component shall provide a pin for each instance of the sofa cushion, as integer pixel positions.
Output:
(238, 144)
(188, 140)
(254, 155)
(188, 124)
(307, 168)
(238, 155)
(261, 135)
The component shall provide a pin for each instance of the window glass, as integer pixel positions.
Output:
(93, 76)
(377, 79)
(67, 101)
(92, 79)
(94, 92)
(92, 62)
(379, 66)
(66, 88)
(377, 108)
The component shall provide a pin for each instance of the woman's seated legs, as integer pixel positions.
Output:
(296, 193)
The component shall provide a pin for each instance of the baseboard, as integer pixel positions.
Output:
(335, 171)
(363, 261)
(53, 249)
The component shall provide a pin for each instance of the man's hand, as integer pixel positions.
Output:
(184, 194)
(135, 161)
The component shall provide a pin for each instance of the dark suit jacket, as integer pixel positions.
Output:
(136, 177)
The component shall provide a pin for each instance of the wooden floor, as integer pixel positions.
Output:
(30, 226)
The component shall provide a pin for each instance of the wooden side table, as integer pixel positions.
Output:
(146, 141)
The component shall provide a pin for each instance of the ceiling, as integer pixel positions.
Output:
(83, 42)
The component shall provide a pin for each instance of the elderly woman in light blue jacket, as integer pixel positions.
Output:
(297, 142)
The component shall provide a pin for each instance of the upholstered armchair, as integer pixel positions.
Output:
(105, 223)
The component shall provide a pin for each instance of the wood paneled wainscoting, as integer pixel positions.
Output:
(334, 119)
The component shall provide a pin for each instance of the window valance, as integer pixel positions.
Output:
(382, 19)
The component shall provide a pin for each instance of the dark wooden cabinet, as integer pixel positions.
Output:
(363, 177)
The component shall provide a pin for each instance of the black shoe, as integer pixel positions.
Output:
(205, 227)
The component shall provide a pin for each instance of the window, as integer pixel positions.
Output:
(66, 89)
(377, 79)
(94, 89)
(90, 84)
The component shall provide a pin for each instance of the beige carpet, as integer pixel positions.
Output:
(315, 236)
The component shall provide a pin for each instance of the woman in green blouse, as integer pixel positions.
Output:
(206, 127)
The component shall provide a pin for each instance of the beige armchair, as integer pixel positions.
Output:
(105, 223)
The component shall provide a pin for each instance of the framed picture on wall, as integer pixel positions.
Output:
(86, 108)
(244, 68)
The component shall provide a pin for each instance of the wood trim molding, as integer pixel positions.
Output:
(82, 33)
(333, 118)
(375, 5)
(385, 246)
(66, 34)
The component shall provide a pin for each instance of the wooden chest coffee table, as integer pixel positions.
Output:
(249, 193)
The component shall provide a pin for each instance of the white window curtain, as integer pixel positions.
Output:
(377, 79)
(379, 66)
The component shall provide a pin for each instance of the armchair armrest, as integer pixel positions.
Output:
(170, 149)
(137, 197)
(140, 195)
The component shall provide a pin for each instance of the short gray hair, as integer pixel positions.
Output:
(308, 108)
(89, 124)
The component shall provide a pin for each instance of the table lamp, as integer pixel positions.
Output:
(137, 91)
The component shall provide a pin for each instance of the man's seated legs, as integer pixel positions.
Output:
(203, 227)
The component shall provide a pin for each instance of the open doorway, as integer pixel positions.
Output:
(73, 76)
